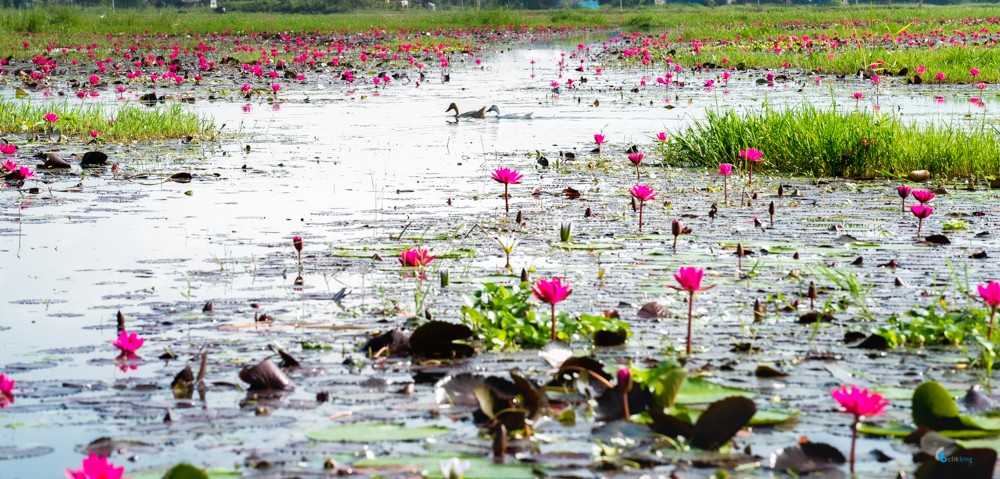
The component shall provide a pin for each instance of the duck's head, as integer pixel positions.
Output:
(451, 107)
(494, 108)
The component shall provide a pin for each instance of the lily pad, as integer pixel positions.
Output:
(698, 390)
(366, 432)
(593, 246)
(479, 467)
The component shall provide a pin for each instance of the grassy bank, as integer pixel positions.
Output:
(125, 123)
(838, 142)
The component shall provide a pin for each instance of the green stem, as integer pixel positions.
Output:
(690, 321)
(553, 322)
(854, 440)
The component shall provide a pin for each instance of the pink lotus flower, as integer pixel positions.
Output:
(923, 196)
(725, 169)
(921, 212)
(990, 293)
(636, 158)
(415, 258)
(940, 76)
(903, 192)
(661, 136)
(96, 467)
(921, 69)
(974, 72)
(859, 402)
(690, 280)
(981, 86)
(6, 390)
(95, 134)
(599, 139)
(51, 117)
(552, 291)
(624, 386)
(8, 148)
(297, 243)
(246, 88)
(94, 80)
(643, 193)
(508, 177)
(753, 156)
(128, 343)
(8, 165)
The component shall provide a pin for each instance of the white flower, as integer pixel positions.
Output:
(507, 242)
(453, 468)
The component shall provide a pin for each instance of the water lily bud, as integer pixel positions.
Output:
(519, 218)
(812, 290)
(675, 228)
(770, 209)
(445, 278)
(588, 213)
(524, 276)
(781, 191)
(566, 232)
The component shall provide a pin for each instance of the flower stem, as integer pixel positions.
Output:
(690, 320)
(506, 199)
(637, 177)
(640, 215)
(725, 189)
(903, 207)
(920, 224)
(625, 403)
(553, 322)
(854, 440)
(989, 333)
(750, 180)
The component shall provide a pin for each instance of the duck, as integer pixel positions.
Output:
(480, 113)
(510, 116)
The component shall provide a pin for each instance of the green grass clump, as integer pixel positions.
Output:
(833, 142)
(128, 122)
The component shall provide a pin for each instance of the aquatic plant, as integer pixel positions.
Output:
(725, 169)
(643, 193)
(6, 391)
(297, 243)
(454, 468)
(624, 386)
(128, 343)
(96, 467)
(507, 244)
(415, 258)
(599, 139)
(990, 292)
(689, 279)
(115, 122)
(566, 231)
(508, 177)
(751, 156)
(921, 212)
(551, 291)
(903, 191)
(859, 403)
(676, 229)
(636, 158)
(923, 196)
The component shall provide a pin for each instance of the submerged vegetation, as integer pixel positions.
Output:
(808, 140)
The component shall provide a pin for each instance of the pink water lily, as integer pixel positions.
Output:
(127, 342)
(923, 196)
(643, 193)
(661, 136)
(921, 212)
(725, 169)
(51, 117)
(690, 280)
(599, 139)
(990, 292)
(415, 258)
(8, 148)
(508, 177)
(751, 155)
(96, 467)
(624, 386)
(858, 402)
(903, 191)
(551, 291)
(297, 243)
(636, 158)
(6, 391)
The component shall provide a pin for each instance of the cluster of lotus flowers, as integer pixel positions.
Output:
(922, 210)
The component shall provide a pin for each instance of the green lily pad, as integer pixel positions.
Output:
(698, 390)
(493, 278)
(592, 246)
(900, 430)
(479, 467)
(160, 474)
(367, 432)
(934, 408)
(773, 417)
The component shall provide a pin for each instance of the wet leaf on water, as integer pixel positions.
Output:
(934, 408)
(571, 193)
(181, 177)
(585, 367)
(266, 376)
(721, 421)
(698, 390)
(977, 402)
(369, 432)
(8, 453)
(668, 425)
(436, 339)
(183, 384)
(806, 457)
(773, 417)
(654, 310)
(814, 316)
(395, 342)
(185, 471)
(874, 341)
(532, 396)
(605, 338)
(765, 371)
(611, 404)
(937, 239)
(664, 381)
(978, 255)
(19, 93)
(479, 467)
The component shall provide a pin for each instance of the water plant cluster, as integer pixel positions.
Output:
(633, 307)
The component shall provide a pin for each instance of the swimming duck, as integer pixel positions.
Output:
(510, 116)
(480, 113)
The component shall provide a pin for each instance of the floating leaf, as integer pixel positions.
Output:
(435, 339)
(367, 432)
(479, 467)
(185, 471)
(698, 390)
(721, 421)
(934, 408)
